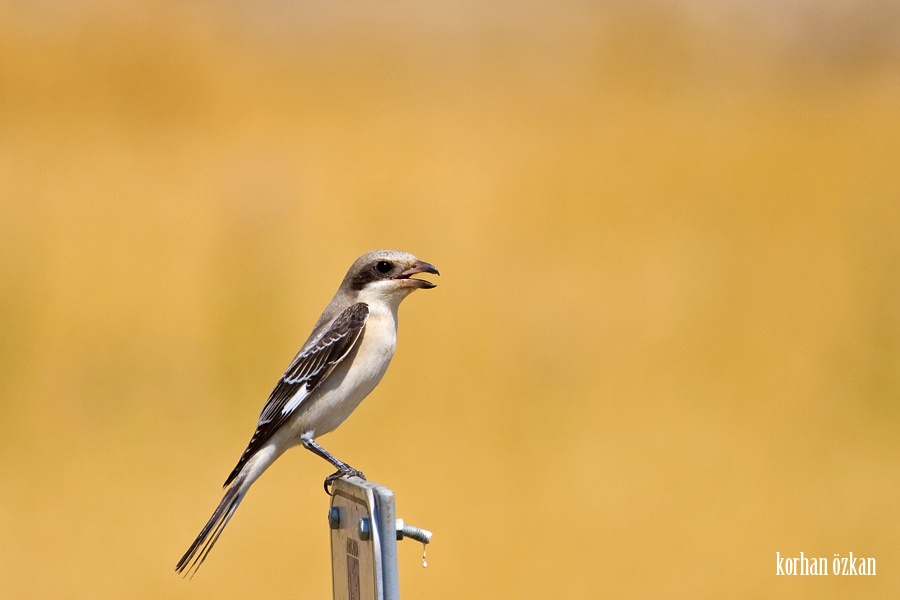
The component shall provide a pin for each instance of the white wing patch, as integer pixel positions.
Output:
(297, 398)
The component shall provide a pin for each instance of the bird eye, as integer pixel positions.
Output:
(383, 266)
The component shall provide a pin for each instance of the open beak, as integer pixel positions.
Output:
(418, 267)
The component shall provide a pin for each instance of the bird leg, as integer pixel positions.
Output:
(342, 467)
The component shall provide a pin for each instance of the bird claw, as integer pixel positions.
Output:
(348, 472)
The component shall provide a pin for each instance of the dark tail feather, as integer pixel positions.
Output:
(196, 554)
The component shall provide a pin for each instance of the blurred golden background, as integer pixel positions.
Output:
(665, 342)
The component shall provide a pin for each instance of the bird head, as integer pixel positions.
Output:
(387, 275)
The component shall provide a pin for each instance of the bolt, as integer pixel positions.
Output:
(334, 517)
(404, 530)
(365, 533)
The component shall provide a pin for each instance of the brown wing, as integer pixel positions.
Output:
(308, 369)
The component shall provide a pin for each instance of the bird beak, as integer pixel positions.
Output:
(418, 267)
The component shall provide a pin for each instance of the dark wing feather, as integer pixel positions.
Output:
(309, 368)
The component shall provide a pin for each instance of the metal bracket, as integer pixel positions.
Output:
(364, 534)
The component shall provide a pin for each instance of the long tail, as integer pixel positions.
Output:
(196, 554)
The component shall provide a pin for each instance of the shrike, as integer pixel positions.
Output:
(343, 360)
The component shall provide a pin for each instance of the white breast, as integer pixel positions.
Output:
(353, 379)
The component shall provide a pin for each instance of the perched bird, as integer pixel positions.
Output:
(343, 360)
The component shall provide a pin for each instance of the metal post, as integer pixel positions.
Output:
(364, 534)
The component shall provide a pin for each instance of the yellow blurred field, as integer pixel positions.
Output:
(665, 342)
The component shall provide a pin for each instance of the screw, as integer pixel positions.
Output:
(420, 535)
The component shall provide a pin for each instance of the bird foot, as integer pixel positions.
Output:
(348, 472)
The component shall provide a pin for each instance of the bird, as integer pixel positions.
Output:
(341, 362)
